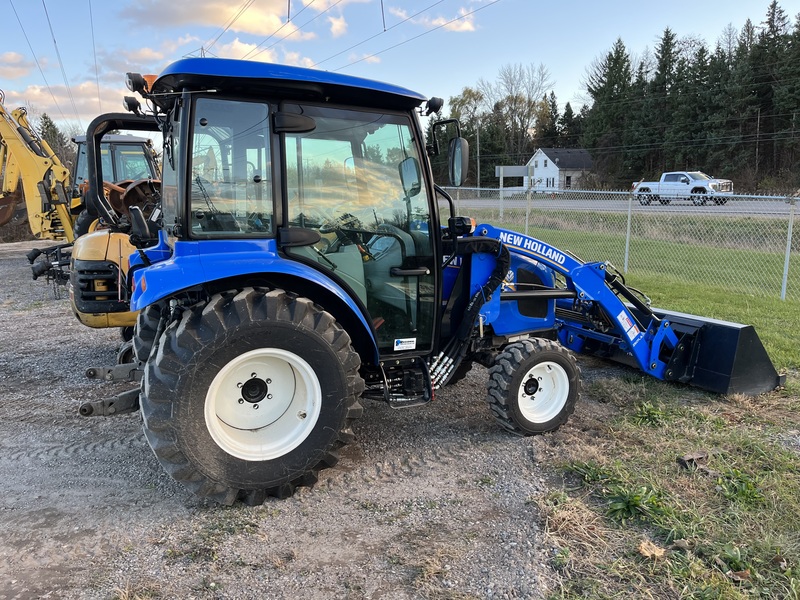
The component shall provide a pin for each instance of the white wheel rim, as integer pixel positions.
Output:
(543, 392)
(269, 416)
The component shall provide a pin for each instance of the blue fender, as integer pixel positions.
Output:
(195, 263)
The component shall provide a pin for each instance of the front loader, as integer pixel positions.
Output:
(302, 264)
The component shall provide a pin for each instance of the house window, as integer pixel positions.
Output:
(536, 164)
(545, 163)
(568, 181)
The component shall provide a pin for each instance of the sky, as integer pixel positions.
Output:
(68, 58)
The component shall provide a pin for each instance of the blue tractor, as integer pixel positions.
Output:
(303, 259)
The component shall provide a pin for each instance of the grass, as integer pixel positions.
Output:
(679, 494)
(661, 491)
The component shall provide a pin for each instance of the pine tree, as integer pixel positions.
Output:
(61, 145)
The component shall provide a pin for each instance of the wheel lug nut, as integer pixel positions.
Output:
(241, 400)
(269, 396)
(255, 406)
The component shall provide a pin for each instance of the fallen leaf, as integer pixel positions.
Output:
(649, 550)
(739, 576)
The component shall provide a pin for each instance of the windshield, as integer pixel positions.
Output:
(698, 175)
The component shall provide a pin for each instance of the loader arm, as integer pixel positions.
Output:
(596, 313)
(45, 181)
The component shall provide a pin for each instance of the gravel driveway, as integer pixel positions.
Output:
(429, 502)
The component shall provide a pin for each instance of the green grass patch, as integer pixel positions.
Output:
(686, 495)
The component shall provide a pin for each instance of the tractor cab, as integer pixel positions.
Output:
(322, 187)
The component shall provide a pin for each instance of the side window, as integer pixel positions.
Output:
(356, 178)
(231, 186)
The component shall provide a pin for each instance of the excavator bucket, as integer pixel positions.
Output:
(8, 205)
(719, 356)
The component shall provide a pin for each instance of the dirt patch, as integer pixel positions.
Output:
(430, 502)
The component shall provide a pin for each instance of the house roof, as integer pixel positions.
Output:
(569, 158)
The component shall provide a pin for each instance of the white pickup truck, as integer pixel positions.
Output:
(684, 185)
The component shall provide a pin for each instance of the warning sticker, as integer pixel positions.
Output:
(405, 344)
(625, 321)
(630, 328)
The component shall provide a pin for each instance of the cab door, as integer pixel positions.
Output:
(355, 177)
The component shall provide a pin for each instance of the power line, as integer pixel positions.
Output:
(288, 20)
(377, 34)
(33, 54)
(472, 12)
(242, 9)
(61, 65)
(94, 53)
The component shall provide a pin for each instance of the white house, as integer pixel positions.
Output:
(557, 168)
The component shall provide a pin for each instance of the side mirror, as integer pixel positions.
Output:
(410, 176)
(458, 160)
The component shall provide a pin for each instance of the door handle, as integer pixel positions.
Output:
(398, 272)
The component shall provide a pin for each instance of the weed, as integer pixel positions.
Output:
(561, 559)
(649, 414)
(640, 502)
(739, 487)
(591, 473)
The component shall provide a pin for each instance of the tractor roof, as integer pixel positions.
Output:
(248, 78)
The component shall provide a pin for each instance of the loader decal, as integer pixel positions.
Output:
(523, 242)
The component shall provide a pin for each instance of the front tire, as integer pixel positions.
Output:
(533, 386)
(250, 395)
(699, 197)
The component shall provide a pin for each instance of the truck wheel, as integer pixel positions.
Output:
(250, 394)
(144, 334)
(533, 386)
(663, 201)
(645, 198)
(699, 197)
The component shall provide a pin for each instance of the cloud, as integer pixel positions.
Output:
(367, 58)
(85, 95)
(338, 26)
(260, 18)
(295, 58)
(14, 66)
(464, 22)
(238, 49)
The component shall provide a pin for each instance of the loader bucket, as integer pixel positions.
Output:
(8, 205)
(719, 356)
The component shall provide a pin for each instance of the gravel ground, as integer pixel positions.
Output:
(429, 502)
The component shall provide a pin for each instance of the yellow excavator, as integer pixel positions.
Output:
(54, 196)
(29, 159)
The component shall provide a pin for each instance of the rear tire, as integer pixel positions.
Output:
(250, 395)
(83, 224)
(144, 334)
(533, 386)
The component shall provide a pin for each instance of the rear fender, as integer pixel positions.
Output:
(210, 263)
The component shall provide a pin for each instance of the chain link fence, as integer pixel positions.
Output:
(748, 245)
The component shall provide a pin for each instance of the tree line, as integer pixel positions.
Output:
(731, 111)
